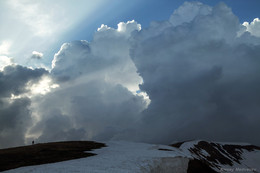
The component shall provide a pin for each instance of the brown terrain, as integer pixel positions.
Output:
(11, 158)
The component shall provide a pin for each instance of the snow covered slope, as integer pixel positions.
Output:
(194, 156)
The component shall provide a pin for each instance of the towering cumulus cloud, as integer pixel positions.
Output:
(200, 70)
(201, 76)
(95, 99)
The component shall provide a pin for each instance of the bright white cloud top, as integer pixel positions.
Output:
(253, 27)
(195, 67)
(37, 55)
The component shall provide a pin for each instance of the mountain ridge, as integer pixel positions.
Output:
(121, 156)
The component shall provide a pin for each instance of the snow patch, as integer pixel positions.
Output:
(119, 157)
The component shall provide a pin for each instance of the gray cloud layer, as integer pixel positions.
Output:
(200, 69)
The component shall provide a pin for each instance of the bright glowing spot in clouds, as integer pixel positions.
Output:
(4, 47)
(13, 97)
(42, 87)
(4, 50)
(4, 61)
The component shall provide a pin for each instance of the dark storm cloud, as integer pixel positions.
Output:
(15, 116)
(14, 120)
(202, 79)
(13, 79)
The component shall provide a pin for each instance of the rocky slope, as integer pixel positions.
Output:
(221, 157)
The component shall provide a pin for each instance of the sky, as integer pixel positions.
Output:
(150, 71)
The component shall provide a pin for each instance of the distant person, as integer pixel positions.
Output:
(32, 142)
